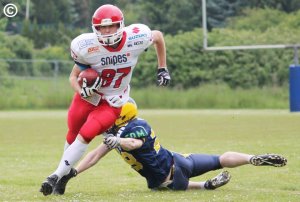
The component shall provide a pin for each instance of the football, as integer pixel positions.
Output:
(90, 75)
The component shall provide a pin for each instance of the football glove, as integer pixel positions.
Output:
(89, 91)
(163, 77)
(111, 141)
(114, 101)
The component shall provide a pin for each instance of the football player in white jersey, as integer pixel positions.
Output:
(112, 50)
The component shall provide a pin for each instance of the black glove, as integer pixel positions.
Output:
(163, 77)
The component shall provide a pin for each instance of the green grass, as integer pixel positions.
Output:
(32, 143)
(57, 94)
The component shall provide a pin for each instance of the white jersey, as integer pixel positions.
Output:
(114, 65)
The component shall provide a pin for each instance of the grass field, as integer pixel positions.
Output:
(32, 142)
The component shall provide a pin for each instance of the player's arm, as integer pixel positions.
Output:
(159, 44)
(92, 158)
(129, 144)
(163, 76)
(73, 78)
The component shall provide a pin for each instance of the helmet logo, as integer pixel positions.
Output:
(106, 21)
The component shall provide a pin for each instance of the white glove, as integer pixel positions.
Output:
(114, 101)
(89, 91)
(111, 141)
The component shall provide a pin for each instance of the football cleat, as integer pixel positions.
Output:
(218, 181)
(60, 187)
(268, 160)
(47, 186)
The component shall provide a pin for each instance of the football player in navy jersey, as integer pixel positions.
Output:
(138, 145)
(113, 50)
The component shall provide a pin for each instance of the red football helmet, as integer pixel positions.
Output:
(107, 15)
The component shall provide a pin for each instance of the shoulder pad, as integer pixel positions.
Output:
(139, 35)
(80, 44)
(138, 31)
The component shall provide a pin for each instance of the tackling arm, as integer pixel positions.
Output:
(92, 158)
(129, 144)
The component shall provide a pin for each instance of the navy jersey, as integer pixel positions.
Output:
(151, 160)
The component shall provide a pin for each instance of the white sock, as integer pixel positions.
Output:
(70, 157)
(249, 158)
(202, 185)
(66, 145)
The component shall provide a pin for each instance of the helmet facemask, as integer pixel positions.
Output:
(109, 39)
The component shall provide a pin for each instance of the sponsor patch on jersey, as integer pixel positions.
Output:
(137, 36)
(135, 30)
(85, 43)
(137, 133)
(93, 49)
(138, 43)
(114, 60)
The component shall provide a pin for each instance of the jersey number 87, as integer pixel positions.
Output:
(108, 76)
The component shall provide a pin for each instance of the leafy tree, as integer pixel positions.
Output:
(219, 10)
(51, 12)
(81, 13)
(5, 53)
(3, 23)
(282, 5)
(257, 19)
(171, 16)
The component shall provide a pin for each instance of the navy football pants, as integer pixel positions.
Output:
(191, 166)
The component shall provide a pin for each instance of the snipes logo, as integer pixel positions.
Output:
(10, 10)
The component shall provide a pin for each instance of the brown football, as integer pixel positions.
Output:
(90, 75)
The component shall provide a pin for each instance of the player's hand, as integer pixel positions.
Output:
(163, 77)
(114, 101)
(89, 91)
(111, 141)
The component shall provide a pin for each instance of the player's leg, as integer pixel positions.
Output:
(202, 163)
(88, 161)
(187, 166)
(77, 115)
(220, 180)
(60, 187)
(234, 159)
(98, 121)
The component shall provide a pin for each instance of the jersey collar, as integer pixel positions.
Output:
(121, 44)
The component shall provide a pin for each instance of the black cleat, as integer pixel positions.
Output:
(47, 186)
(268, 160)
(218, 181)
(60, 187)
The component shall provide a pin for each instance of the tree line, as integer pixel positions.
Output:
(48, 32)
